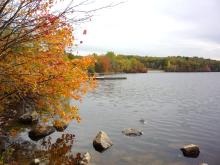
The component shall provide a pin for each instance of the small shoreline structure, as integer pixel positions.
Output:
(156, 70)
(110, 78)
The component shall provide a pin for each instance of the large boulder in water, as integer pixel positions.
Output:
(41, 131)
(102, 142)
(132, 132)
(190, 150)
(29, 117)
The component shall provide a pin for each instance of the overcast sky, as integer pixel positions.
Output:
(156, 28)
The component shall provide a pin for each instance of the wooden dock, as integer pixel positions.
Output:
(110, 78)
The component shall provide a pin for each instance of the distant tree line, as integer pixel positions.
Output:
(181, 64)
(110, 62)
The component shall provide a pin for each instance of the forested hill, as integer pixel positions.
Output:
(180, 64)
(110, 62)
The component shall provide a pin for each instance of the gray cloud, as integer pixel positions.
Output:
(204, 15)
(158, 27)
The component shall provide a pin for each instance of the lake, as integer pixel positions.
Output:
(179, 108)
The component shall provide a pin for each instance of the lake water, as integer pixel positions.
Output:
(179, 108)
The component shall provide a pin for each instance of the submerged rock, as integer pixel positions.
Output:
(40, 131)
(102, 142)
(4, 143)
(142, 121)
(190, 150)
(29, 118)
(25, 145)
(85, 159)
(132, 132)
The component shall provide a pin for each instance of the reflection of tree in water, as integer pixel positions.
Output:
(60, 152)
(52, 153)
(106, 88)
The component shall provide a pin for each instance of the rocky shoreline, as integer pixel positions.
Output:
(40, 131)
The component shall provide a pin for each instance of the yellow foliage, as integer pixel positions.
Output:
(39, 69)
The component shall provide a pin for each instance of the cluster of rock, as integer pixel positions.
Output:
(100, 143)
(40, 130)
(103, 142)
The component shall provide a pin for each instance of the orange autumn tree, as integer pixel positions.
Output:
(33, 63)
